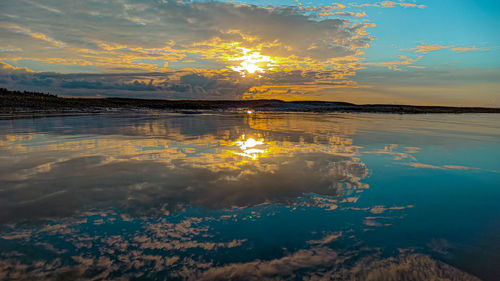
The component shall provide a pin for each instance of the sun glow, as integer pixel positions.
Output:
(252, 62)
(249, 147)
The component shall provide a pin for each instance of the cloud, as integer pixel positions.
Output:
(392, 4)
(186, 84)
(209, 39)
(170, 85)
(425, 48)
(14, 28)
(395, 65)
(348, 14)
(170, 29)
(50, 9)
(143, 48)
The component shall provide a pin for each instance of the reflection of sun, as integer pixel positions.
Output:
(249, 146)
(252, 62)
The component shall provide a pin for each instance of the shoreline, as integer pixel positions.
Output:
(14, 102)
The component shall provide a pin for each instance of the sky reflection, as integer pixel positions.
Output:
(161, 169)
(250, 196)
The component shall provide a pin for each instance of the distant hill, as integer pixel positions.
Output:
(22, 102)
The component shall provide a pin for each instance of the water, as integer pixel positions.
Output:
(250, 196)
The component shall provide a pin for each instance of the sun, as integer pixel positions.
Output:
(252, 62)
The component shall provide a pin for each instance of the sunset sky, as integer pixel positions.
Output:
(444, 52)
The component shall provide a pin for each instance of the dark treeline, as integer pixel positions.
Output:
(19, 102)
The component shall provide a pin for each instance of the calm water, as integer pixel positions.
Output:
(260, 196)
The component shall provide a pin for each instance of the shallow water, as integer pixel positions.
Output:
(250, 196)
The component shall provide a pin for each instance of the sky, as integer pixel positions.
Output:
(423, 52)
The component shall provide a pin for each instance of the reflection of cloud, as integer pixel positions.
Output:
(166, 247)
(145, 185)
(325, 264)
(444, 167)
(278, 269)
(381, 209)
(16, 235)
(371, 222)
(391, 149)
(319, 263)
(179, 161)
(326, 240)
(440, 246)
(406, 267)
(102, 256)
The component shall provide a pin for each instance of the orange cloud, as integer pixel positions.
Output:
(351, 14)
(37, 35)
(424, 48)
(392, 4)
(395, 65)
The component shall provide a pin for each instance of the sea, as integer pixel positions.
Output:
(259, 196)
